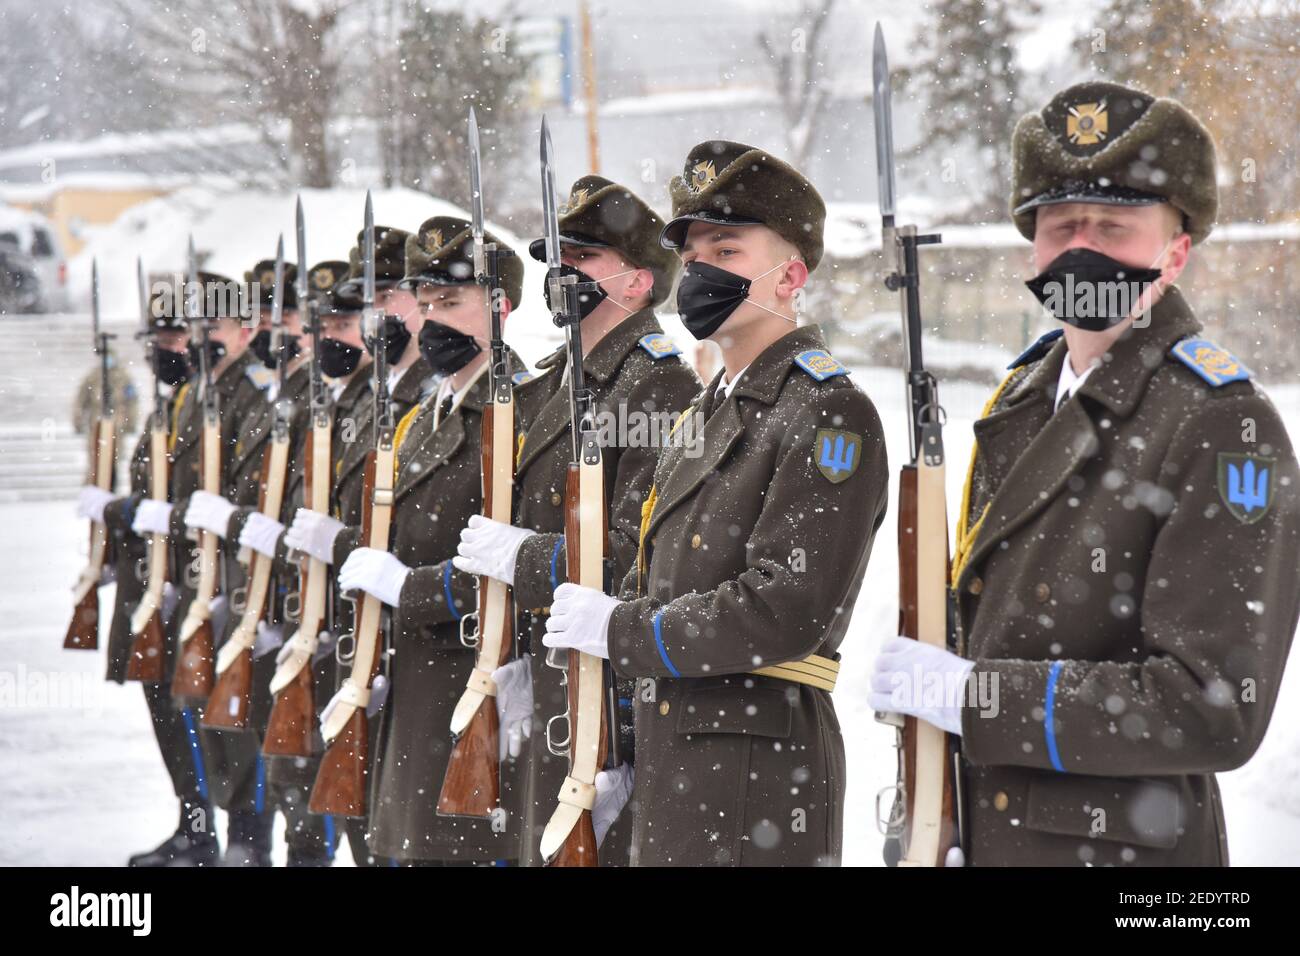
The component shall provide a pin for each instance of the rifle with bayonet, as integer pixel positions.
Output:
(193, 680)
(145, 661)
(83, 630)
(289, 730)
(924, 822)
(472, 785)
(341, 782)
(591, 742)
(228, 705)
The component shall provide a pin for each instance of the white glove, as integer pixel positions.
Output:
(269, 638)
(313, 533)
(580, 619)
(489, 547)
(91, 502)
(955, 857)
(209, 512)
(152, 517)
(375, 572)
(514, 706)
(261, 534)
(613, 789)
(905, 675)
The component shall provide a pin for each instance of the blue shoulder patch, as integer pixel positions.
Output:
(1216, 365)
(520, 377)
(260, 375)
(1038, 349)
(658, 345)
(819, 364)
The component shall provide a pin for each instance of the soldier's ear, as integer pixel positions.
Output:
(793, 278)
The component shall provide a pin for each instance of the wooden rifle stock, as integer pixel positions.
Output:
(83, 629)
(292, 723)
(192, 683)
(472, 785)
(341, 781)
(227, 707)
(145, 662)
(570, 837)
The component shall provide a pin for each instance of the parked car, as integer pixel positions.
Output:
(36, 244)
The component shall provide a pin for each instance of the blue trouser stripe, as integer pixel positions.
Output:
(555, 557)
(329, 835)
(659, 642)
(1052, 674)
(196, 754)
(446, 589)
(259, 796)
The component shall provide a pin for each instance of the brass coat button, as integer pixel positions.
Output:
(696, 541)
(976, 585)
(1001, 801)
(556, 499)
(1042, 593)
(664, 708)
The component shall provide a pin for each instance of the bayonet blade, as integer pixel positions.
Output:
(277, 291)
(368, 257)
(300, 281)
(146, 320)
(475, 178)
(882, 108)
(190, 307)
(94, 301)
(550, 217)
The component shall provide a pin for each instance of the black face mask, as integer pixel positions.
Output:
(447, 350)
(396, 337)
(172, 368)
(261, 346)
(706, 297)
(587, 301)
(216, 352)
(338, 358)
(1090, 290)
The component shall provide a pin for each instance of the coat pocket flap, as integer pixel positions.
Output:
(735, 709)
(1135, 810)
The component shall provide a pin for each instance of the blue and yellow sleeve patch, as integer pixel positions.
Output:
(1216, 365)
(520, 377)
(260, 375)
(819, 364)
(658, 345)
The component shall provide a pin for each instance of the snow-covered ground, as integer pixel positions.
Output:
(81, 782)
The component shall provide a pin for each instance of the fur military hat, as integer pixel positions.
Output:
(261, 284)
(166, 302)
(1105, 143)
(599, 212)
(323, 279)
(390, 259)
(731, 183)
(442, 252)
(220, 297)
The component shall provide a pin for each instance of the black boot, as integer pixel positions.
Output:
(248, 838)
(193, 844)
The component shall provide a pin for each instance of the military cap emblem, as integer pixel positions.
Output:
(1246, 485)
(1214, 364)
(819, 364)
(576, 199)
(836, 453)
(267, 277)
(434, 239)
(701, 175)
(323, 278)
(1087, 123)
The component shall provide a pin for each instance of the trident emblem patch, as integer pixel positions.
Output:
(836, 453)
(1246, 485)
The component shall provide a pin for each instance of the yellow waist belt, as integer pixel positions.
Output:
(814, 670)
